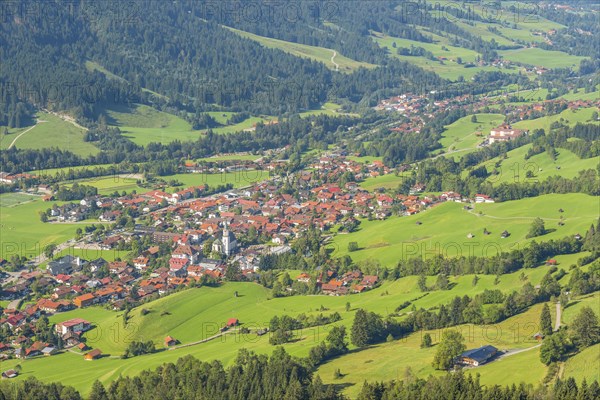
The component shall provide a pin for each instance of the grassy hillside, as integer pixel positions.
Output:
(445, 228)
(514, 168)
(567, 117)
(331, 58)
(448, 68)
(461, 135)
(143, 124)
(21, 230)
(390, 360)
(584, 365)
(50, 131)
(543, 58)
(196, 314)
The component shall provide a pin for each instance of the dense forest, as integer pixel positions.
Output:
(168, 49)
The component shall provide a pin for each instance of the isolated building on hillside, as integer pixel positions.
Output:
(478, 356)
(504, 133)
(483, 198)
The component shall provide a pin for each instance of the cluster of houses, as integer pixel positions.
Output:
(10, 179)
(19, 334)
(350, 282)
(419, 108)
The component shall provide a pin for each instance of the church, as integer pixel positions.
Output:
(227, 244)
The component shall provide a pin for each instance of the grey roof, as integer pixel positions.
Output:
(481, 354)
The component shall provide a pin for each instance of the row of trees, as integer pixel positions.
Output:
(582, 332)
(467, 386)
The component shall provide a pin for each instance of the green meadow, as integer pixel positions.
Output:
(462, 134)
(389, 181)
(108, 185)
(50, 131)
(391, 360)
(584, 365)
(319, 54)
(515, 167)
(481, 29)
(542, 58)
(444, 228)
(567, 117)
(247, 124)
(143, 124)
(237, 179)
(449, 68)
(365, 159)
(196, 314)
(22, 232)
(326, 109)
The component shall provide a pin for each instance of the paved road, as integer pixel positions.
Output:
(509, 353)
(13, 305)
(558, 316)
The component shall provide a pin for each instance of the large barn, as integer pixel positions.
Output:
(478, 356)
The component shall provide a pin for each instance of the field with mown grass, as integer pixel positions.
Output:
(108, 185)
(462, 134)
(515, 167)
(22, 232)
(50, 131)
(567, 117)
(195, 314)
(448, 68)
(445, 228)
(542, 58)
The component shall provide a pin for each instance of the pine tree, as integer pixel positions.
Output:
(585, 328)
(546, 321)
(98, 391)
(426, 342)
(360, 329)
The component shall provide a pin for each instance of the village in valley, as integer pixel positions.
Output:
(191, 238)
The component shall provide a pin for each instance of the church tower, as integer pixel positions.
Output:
(229, 241)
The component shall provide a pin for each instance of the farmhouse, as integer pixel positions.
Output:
(504, 133)
(483, 198)
(72, 325)
(478, 356)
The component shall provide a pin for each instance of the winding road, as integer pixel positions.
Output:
(337, 66)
